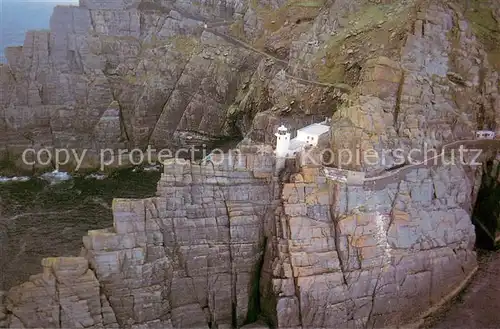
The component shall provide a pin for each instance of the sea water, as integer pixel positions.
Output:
(19, 16)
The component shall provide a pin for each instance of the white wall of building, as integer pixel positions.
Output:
(485, 134)
(308, 138)
(282, 144)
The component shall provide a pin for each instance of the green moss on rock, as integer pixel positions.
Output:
(372, 24)
(486, 28)
(184, 44)
(237, 30)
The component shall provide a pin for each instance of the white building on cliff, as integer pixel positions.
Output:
(485, 134)
(307, 136)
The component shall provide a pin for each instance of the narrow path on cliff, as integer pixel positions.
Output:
(382, 180)
(477, 306)
(370, 182)
(210, 27)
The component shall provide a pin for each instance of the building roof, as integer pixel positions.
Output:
(315, 129)
(295, 144)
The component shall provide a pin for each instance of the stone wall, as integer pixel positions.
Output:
(226, 241)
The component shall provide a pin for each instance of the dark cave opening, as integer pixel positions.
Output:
(486, 212)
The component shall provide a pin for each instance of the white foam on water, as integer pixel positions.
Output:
(152, 167)
(155, 167)
(56, 176)
(4, 179)
(96, 176)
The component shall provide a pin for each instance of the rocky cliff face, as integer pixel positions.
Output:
(442, 87)
(225, 245)
(149, 72)
(186, 258)
(146, 71)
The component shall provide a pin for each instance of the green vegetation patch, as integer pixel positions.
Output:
(314, 4)
(184, 44)
(486, 28)
(131, 79)
(287, 21)
(292, 11)
(370, 15)
(237, 30)
(373, 24)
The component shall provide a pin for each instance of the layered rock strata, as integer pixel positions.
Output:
(224, 244)
(440, 88)
(350, 257)
(186, 258)
(147, 72)
(423, 72)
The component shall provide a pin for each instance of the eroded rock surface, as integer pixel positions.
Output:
(421, 72)
(147, 72)
(411, 101)
(222, 245)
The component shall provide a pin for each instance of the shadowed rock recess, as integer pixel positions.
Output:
(240, 243)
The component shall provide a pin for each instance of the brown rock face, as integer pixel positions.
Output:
(422, 72)
(436, 90)
(126, 74)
